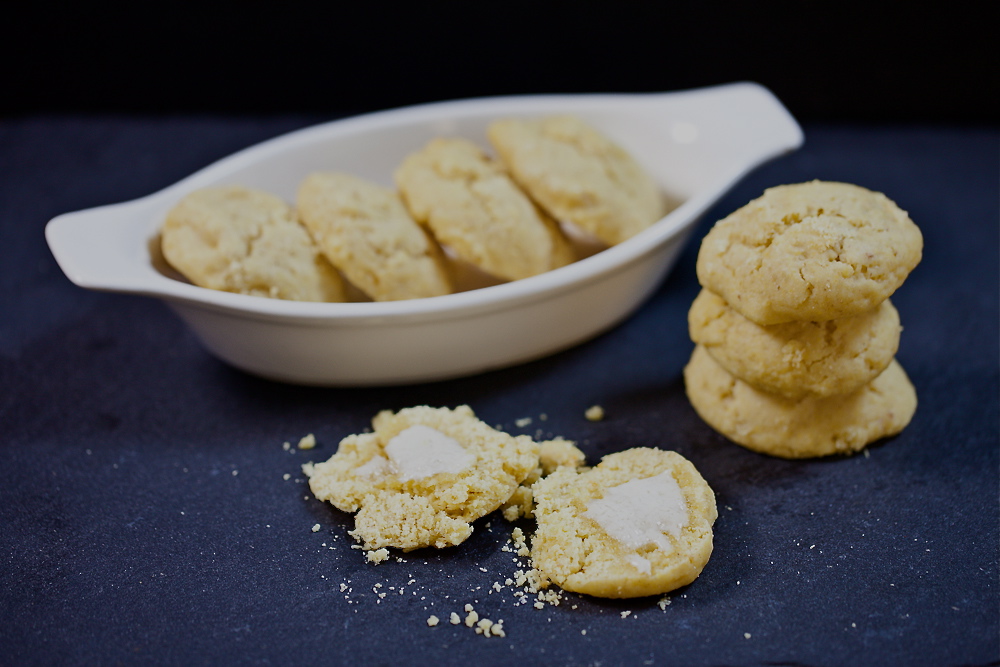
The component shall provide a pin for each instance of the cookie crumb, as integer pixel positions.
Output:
(316, 528)
(432, 620)
(594, 413)
(472, 618)
(455, 618)
(307, 442)
(377, 556)
(746, 635)
(286, 476)
(625, 614)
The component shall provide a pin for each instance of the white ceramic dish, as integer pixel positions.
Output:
(696, 144)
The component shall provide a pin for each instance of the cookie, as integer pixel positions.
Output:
(812, 251)
(249, 242)
(552, 455)
(639, 523)
(578, 175)
(802, 428)
(797, 359)
(422, 476)
(366, 232)
(472, 207)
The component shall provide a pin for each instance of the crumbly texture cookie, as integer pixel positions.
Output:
(639, 523)
(249, 242)
(579, 175)
(802, 428)
(473, 207)
(422, 476)
(366, 232)
(811, 251)
(797, 359)
(553, 455)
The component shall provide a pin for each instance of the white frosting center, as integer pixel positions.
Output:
(640, 512)
(376, 466)
(421, 451)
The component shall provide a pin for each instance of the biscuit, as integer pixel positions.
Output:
(552, 455)
(472, 207)
(812, 251)
(797, 359)
(639, 523)
(578, 175)
(423, 476)
(249, 242)
(366, 232)
(802, 428)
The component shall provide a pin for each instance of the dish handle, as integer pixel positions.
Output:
(103, 248)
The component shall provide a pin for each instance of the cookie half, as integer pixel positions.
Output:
(639, 523)
(423, 476)
(475, 209)
(249, 242)
(366, 232)
(811, 251)
(797, 359)
(579, 175)
(802, 428)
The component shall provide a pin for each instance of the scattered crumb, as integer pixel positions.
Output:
(286, 446)
(583, 632)
(316, 528)
(625, 614)
(235, 473)
(663, 603)
(286, 476)
(522, 422)
(594, 413)
(455, 618)
(746, 635)
(377, 556)
(472, 618)
(432, 620)
(307, 442)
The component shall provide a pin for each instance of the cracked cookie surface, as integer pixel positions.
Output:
(811, 251)
(409, 496)
(579, 176)
(366, 232)
(239, 240)
(797, 359)
(474, 208)
(599, 532)
(799, 428)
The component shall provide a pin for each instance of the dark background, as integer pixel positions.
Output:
(845, 61)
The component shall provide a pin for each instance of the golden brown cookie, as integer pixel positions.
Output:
(797, 359)
(423, 476)
(802, 428)
(639, 523)
(812, 251)
(366, 232)
(238, 240)
(471, 205)
(579, 176)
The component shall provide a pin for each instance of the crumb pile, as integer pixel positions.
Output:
(795, 334)
(457, 213)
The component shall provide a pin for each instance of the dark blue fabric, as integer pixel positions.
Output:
(144, 517)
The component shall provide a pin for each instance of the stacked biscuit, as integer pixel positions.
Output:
(456, 213)
(795, 335)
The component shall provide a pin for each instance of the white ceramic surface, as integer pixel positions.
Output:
(696, 144)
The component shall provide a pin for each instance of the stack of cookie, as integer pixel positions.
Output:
(795, 333)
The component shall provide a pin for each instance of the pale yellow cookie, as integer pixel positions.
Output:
(802, 428)
(552, 455)
(423, 476)
(471, 205)
(797, 359)
(364, 229)
(812, 251)
(639, 523)
(579, 176)
(238, 240)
